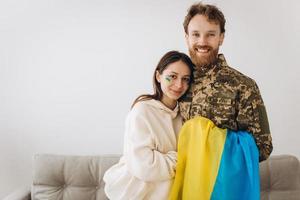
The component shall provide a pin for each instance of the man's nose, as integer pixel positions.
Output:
(202, 40)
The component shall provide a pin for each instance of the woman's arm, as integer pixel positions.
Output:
(143, 160)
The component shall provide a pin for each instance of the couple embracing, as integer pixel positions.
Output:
(185, 88)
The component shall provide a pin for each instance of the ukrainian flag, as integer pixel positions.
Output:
(215, 163)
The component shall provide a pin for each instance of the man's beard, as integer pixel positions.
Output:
(203, 61)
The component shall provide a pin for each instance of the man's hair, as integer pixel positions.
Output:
(210, 11)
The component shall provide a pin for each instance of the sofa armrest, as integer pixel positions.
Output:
(19, 194)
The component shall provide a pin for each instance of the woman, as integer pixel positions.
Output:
(147, 167)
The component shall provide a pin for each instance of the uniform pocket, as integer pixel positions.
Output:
(222, 107)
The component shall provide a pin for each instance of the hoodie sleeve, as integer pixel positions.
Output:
(143, 160)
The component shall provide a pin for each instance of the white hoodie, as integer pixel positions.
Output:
(147, 167)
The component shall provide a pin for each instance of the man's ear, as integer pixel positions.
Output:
(157, 76)
(186, 38)
(221, 39)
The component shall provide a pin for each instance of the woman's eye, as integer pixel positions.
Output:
(187, 80)
(170, 77)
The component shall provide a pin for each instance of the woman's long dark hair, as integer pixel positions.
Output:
(168, 58)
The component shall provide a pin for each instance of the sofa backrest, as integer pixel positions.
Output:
(280, 178)
(57, 177)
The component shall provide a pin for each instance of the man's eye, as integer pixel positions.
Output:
(195, 35)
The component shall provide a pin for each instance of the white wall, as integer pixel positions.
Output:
(69, 70)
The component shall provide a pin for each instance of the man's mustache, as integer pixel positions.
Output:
(203, 47)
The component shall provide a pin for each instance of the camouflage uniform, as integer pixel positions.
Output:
(231, 100)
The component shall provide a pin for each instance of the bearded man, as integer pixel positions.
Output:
(220, 93)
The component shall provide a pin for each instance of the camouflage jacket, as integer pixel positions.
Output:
(231, 100)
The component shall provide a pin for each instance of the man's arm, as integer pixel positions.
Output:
(252, 116)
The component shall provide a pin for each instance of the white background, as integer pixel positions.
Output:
(70, 69)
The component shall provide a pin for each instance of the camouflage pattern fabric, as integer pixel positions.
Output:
(231, 100)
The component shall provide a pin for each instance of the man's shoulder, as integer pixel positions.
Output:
(236, 77)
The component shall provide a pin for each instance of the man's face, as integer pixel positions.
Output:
(203, 39)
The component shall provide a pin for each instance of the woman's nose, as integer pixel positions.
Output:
(179, 83)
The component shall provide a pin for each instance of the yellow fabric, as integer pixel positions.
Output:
(200, 148)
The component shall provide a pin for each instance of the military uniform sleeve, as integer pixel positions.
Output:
(185, 104)
(252, 117)
(184, 110)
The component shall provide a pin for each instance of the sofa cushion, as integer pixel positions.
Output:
(57, 177)
(60, 177)
(280, 178)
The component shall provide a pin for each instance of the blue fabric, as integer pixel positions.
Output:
(238, 175)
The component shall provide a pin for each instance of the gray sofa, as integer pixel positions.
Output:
(57, 177)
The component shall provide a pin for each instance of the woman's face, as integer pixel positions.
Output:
(174, 81)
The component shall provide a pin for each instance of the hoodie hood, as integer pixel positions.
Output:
(161, 106)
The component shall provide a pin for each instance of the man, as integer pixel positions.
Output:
(220, 93)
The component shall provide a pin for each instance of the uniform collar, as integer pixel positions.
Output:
(218, 64)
